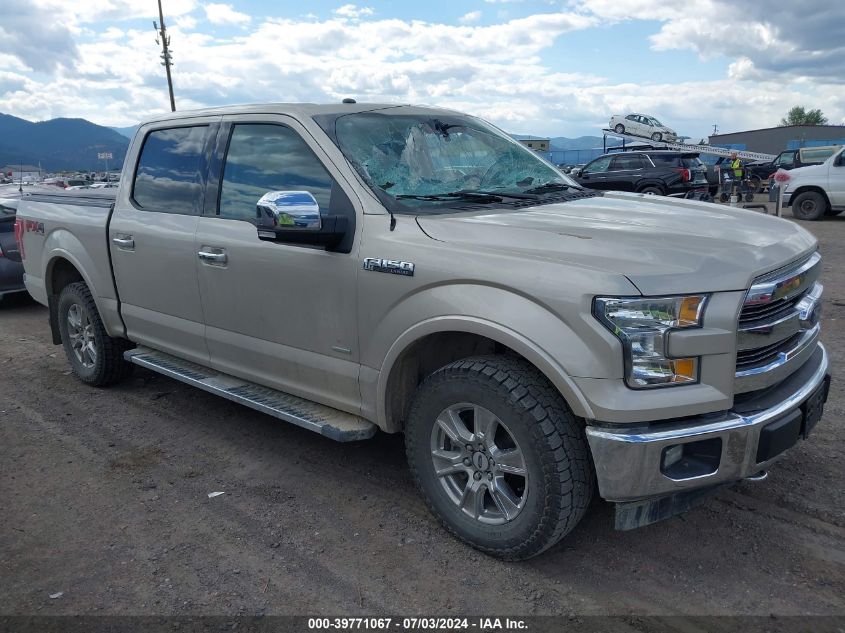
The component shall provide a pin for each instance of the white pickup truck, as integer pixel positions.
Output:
(817, 190)
(351, 268)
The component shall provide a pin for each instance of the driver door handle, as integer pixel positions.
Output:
(124, 241)
(212, 257)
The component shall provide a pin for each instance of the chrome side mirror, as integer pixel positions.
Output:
(288, 210)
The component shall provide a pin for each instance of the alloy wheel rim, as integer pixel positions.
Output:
(479, 464)
(81, 334)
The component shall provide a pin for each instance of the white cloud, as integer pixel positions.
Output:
(496, 71)
(353, 12)
(785, 40)
(469, 18)
(219, 13)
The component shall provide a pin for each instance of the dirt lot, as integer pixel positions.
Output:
(104, 497)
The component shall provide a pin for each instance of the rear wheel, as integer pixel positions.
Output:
(755, 183)
(809, 205)
(652, 191)
(95, 357)
(498, 456)
(619, 129)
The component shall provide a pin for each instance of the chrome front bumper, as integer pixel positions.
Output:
(629, 461)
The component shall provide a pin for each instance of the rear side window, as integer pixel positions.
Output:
(692, 162)
(264, 157)
(168, 178)
(631, 161)
(662, 160)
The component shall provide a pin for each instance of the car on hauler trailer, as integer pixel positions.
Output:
(357, 267)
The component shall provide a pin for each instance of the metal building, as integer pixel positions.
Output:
(774, 140)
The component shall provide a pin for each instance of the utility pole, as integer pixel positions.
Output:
(164, 39)
(715, 127)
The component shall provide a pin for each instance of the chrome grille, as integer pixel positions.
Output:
(750, 314)
(764, 355)
(778, 325)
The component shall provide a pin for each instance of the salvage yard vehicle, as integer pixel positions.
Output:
(817, 190)
(356, 267)
(641, 125)
(658, 172)
(11, 268)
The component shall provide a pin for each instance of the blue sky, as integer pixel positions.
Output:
(552, 67)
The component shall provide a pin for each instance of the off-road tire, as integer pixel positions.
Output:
(809, 205)
(552, 440)
(109, 366)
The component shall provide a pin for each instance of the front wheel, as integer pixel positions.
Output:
(809, 205)
(95, 357)
(619, 129)
(498, 456)
(657, 136)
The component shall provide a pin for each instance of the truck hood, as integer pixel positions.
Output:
(662, 245)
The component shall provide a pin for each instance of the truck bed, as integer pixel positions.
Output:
(72, 225)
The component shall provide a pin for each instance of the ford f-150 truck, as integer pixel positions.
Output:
(352, 267)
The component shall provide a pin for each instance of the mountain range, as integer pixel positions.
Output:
(73, 144)
(59, 144)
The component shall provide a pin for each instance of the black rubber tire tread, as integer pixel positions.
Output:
(820, 206)
(110, 367)
(558, 436)
(652, 189)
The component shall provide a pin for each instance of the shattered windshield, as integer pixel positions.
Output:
(425, 161)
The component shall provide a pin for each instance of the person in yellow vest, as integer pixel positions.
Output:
(736, 166)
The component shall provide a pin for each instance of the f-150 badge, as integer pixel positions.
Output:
(392, 266)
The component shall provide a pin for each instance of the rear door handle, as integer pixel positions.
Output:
(124, 241)
(212, 257)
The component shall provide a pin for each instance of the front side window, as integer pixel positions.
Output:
(423, 161)
(264, 158)
(785, 160)
(168, 178)
(598, 165)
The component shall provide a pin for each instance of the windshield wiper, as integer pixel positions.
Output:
(549, 187)
(472, 196)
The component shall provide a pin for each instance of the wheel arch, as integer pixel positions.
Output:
(433, 343)
(809, 188)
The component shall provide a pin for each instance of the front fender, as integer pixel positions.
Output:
(513, 320)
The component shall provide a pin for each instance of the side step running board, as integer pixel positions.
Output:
(334, 424)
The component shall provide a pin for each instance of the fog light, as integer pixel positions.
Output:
(672, 455)
(693, 459)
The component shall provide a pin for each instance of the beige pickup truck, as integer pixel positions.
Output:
(352, 268)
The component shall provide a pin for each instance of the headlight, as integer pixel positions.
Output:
(643, 325)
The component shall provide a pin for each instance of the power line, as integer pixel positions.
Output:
(164, 39)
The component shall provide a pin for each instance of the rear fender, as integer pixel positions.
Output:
(61, 244)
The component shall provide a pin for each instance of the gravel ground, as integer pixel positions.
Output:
(104, 496)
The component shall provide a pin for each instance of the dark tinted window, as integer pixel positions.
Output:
(661, 160)
(598, 165)
(631, 161)
(265, 158)
(692, 162)
(168, 177)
